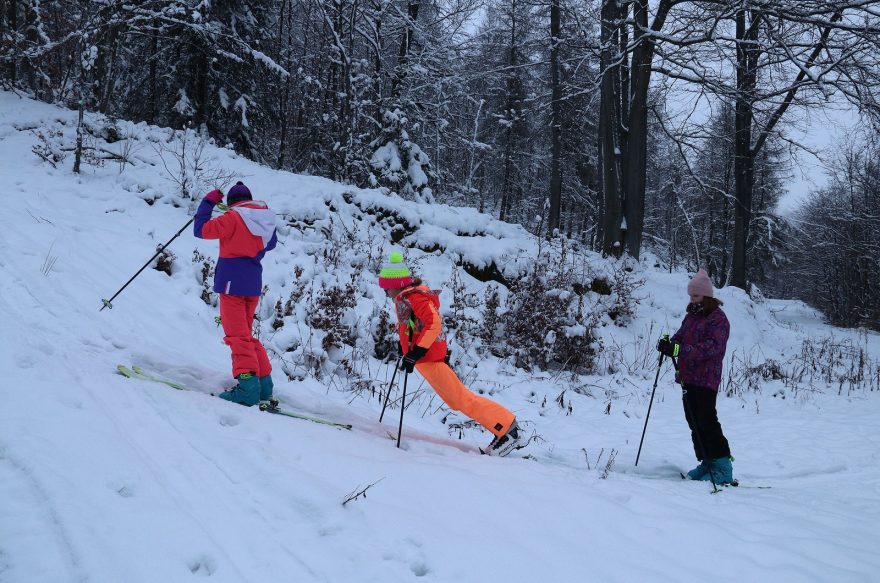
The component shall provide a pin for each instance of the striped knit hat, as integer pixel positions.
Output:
(394, 274)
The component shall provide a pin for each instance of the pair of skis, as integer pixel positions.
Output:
(734, 484)
(270, 406)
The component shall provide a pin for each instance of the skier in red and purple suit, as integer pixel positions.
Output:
(246, 231)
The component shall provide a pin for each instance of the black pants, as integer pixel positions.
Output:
(702, 417)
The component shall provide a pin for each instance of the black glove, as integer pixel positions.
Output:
(412, 357)
(667, 347)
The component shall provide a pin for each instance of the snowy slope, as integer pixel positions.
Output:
(107, 479)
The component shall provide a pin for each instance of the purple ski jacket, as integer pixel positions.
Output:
(703, 341)
(246, 231)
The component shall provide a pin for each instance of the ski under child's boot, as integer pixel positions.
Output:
(246, 392)
(504, 444)
(721, 470)
(699, 472)
(266, 387)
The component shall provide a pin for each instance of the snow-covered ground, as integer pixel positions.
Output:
(108, 479)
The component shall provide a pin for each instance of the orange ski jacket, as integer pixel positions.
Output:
(419, 322)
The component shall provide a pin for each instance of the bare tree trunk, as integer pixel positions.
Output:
(77, 156)
(152, 91)
(403, 53)
(512, 105)
(106, 63)
(624, 86)
(553, 220)
(201, 90)
(609, 152)
(377, 60)
(743, 161)
(345, 105)
(28, 71)
(11, 21)
(636, 152)
(622, 81)
(507, 180)
(284, 94)
(600, 185)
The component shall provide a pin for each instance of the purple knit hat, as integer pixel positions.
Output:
(238, 193)
(701, 285)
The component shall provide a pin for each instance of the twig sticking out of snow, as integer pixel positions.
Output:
(355, 494)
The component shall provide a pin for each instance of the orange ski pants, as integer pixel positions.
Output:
(458, 397)
(237, 318)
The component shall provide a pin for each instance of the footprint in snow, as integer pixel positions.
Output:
(123, 489)
(419, 568)
(123, 485)
(228, 420)
(203, 566)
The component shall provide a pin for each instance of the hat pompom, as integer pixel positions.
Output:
(395, 257)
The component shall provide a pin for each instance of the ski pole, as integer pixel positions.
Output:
(650, 403)
(390, 385)
(107, 303)
(690, 413)
(402, 407)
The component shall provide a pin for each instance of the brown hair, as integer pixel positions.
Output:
(710, 304)
(416, 282)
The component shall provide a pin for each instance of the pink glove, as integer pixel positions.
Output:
(215, 196)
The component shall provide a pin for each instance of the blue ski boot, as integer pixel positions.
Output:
(721, 470)
(246, 392)
(699, 472)
(266, 386)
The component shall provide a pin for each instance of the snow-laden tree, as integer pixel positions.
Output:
(399, 163)
(835, 243)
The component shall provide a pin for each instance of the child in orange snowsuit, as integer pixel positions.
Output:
(424, 348)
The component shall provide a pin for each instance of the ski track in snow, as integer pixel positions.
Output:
(110, 479)
(45, 529)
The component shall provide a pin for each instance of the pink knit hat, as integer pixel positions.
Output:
(701, 285)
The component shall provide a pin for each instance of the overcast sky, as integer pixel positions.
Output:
(820, 131)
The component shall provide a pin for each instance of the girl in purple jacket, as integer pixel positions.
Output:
(699, 345)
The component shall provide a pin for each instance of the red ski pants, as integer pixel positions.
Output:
(458, 397)
(237, 318)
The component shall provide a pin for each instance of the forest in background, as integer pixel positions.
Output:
(561, 115)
